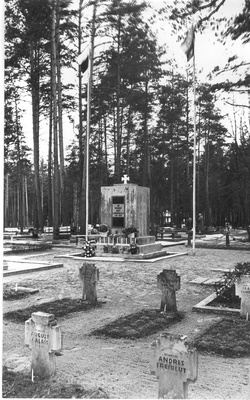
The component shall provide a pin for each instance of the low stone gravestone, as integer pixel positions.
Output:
(89, 275)
(43, 336)
(175, 364)
(168, 281)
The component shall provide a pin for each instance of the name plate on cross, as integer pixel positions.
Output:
(175, 364)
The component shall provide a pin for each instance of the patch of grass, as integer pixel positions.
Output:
(19, 385)
(138, 325)
(228, 337)
(60, 308)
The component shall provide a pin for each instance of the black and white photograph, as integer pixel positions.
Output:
(125, 199)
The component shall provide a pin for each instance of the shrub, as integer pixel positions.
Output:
(225, 287)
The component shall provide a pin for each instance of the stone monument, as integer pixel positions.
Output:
(89, 275)
(168, 281)
(124, 205)
(175, 364)
(43, 337)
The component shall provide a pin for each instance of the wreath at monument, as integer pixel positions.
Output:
(130, 229)
(88, 249)
(133, 249)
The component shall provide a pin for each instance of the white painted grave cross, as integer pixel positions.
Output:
(175, 364)
(43, 337)
(168, 281)
(125, 179)
(89, 274)
(242, 289)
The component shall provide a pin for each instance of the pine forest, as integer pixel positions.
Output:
(141, 111)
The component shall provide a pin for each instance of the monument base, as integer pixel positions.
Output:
(138, 256)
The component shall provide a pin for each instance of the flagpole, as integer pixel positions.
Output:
(87, 148)
(194, 155)
(89, 90)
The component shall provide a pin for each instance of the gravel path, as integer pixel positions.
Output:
(121, 367)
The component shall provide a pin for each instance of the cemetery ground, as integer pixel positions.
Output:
(107, 347)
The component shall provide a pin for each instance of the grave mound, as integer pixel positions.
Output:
(227, 299)
(228, 337)
(60, 308)
(12, 294)
(139, 325)
(17, 384)
(18, 292)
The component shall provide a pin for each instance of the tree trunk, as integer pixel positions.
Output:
(6, 203)
(146, 156)
(60, 119)
(207, 202)
(34, 58)
(50, 206)
(85, 180)
(20, 170)
(82, 211)
(56, 221)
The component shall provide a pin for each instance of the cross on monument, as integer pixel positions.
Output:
(125, 179)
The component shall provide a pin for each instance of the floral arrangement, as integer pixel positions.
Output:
(130, 229)
(133, 249)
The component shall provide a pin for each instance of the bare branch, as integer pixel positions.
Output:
(232, 68)
(212, 12)
(237, 105)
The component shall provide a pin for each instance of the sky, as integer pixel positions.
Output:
(209, 52)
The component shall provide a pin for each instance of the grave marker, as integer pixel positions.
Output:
(168, 281)
(175, 364)
(89, 275)
(245, 296)
(43, 337)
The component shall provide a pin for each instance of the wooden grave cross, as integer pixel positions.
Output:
(168, 281)
(43, 336)
(242, 289)
(175, 364)
(89, 275)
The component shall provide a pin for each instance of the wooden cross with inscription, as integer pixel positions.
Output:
(43, 336)
(125, 179)
(242, 289)
(89, 275)
(175, 363)
(168, 281)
